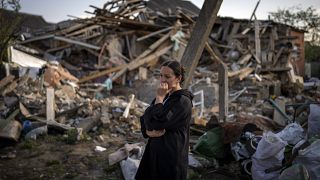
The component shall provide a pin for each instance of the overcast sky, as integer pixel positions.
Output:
(58, 10)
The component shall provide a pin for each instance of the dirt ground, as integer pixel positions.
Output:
(61, 157)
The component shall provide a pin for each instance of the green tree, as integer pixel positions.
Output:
(305, 19)
(8, 26)
(312, 52)
(10, 4)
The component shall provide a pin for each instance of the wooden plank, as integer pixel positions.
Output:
(275, 33)
(6, 81)
(277, 117)
(264, 60)
(128, 46)
(102, 73)
(254, 11)
(127, 109)
(245, 73)
(223, 85)
(58, 48)
(245, 58)
(60, 38)
(9, 88)
(5, 122)
(242, 72)
(270, 57)
(223, 92)
(84, 30)
(50, 104)
(135, 64)
(52, 124)
(87, 45)
(271, 45)
(72, 28)
(215, 51)
(38, 38)
(257, 39)
(107, 21)
(213, 54)
(153, 46)
(255, 57)
(275, 61)
(219, 33)
(154, 33)
(234, 30)
(139, 62)
(70, 66)
(226, 28)
(276, 69)
(120, 73)
(245, 31)
(199, 37)
(143, 73)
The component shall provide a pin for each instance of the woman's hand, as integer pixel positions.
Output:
(156, 133)
(162, 91)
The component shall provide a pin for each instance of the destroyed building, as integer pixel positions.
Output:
(126, 41)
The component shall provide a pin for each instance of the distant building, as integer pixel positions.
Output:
(29, 23)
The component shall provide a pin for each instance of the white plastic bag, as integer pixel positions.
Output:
(129, 168)
(269, 153)
(292, 133)
(310, 158)
(36, 132)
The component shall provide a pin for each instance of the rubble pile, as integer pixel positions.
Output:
(63, 78)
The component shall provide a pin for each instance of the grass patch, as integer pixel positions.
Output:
(28, 144)
(71, 136)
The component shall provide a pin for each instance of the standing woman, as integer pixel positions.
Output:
(166, 123)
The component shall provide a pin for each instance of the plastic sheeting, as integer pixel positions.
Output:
(211, 143)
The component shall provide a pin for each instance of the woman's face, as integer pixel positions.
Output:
(167, 76)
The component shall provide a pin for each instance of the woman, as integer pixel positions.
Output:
(166, 124)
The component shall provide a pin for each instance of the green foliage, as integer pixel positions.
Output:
(305, 19)
(28, 144)
(312, 52)
(8, 27)
(71, 136)
(10, 4)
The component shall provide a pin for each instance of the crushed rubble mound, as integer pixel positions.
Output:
(73, 92)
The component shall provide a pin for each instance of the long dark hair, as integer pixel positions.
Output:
(177, 69)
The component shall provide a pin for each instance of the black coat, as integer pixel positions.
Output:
(166, 157)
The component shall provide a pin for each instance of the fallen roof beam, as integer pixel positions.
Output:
(199, 37)
(127, 23)
(154, 33)
(37, 39)
(77, 42)
(60, 38)
(102, 73)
